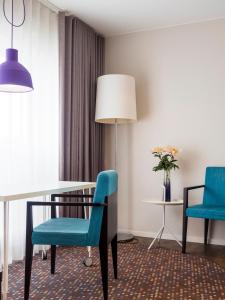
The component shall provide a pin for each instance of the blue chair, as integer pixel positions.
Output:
(99, 231)
(213, 205)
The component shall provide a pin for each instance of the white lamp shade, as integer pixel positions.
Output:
(116, 99)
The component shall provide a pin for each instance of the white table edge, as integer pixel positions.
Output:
(48, 191)
(161, 202)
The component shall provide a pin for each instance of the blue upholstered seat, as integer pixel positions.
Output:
(206, 212)
(213, 205)
(62, 231)
(75, 231)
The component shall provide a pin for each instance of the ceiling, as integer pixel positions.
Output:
(115, 17)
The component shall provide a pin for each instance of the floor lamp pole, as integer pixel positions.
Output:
(116, 140)
(121, 237)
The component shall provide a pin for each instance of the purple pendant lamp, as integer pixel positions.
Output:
(14, 77)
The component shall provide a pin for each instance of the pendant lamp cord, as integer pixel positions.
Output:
(12, 20)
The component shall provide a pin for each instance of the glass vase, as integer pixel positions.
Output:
(167, 186)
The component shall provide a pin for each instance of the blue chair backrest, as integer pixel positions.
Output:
(107, 183)
(214, 192)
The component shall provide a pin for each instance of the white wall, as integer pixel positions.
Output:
(180, 82)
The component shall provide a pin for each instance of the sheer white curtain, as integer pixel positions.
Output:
(29, 122)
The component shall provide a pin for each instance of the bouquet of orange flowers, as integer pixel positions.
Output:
(166, 156)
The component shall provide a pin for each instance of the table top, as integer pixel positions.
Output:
(161, 202)
(22, 191)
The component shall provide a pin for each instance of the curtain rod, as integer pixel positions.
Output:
(51, 6)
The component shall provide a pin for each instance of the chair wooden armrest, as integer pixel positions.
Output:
(186, 190)
(39, 203)
(30, 204)
(72, 196)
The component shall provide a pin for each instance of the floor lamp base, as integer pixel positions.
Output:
(124, 237)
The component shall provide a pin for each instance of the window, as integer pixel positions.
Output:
(29, 122)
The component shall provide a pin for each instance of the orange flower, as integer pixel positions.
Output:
(171, 149)
(157, 149)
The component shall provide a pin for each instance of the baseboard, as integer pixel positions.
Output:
(167, 236)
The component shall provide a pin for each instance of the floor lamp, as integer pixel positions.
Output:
(116, 104)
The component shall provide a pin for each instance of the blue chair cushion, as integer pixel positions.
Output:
(206, 211)
(62, 231)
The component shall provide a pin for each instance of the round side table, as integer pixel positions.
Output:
(163, 204)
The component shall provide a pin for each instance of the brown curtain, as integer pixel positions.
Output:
(81, 62)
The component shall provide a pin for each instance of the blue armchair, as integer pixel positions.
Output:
(213, 205)
(99, 231)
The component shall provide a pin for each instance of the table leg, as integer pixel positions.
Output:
(1, 283)
(5, 249)
(85, 208)
(87, 216)
(89, 200)
(164, 223)
(89, 251)
(174, 236)
(0, 272)
(159, 232)
(160, 236)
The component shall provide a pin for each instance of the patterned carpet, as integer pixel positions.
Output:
(156, 274)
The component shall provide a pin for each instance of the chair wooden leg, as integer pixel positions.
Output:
(29, 252)
(206, 231)
(53, 257)
(28, 267)
(114, 255)
(103, 250)
(184, 236)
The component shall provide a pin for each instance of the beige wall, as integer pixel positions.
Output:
(180, 82)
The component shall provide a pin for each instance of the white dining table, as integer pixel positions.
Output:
(20, 192)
